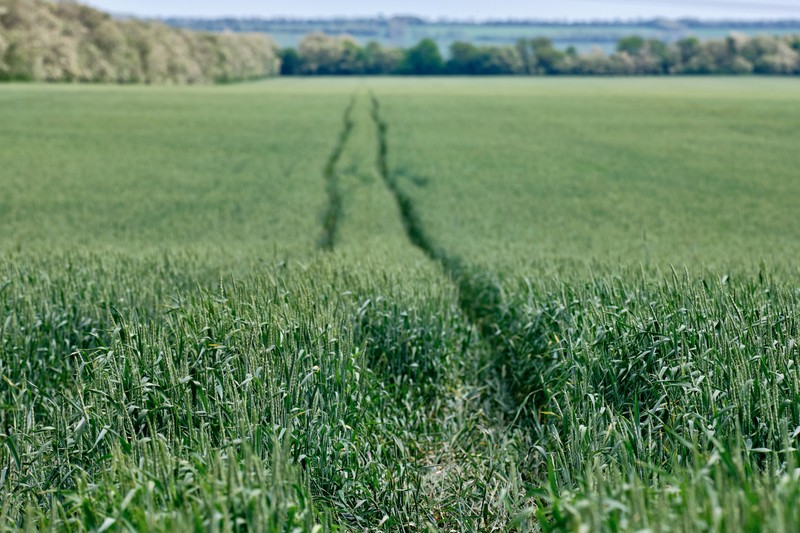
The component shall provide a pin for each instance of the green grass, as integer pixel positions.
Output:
(401, 305)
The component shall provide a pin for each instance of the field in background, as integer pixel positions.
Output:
(694, 172)
(405, 32)
(234, 168)
(400, 304)
(685, 171)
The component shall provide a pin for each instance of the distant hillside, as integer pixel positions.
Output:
(43, 40)
(406, 31)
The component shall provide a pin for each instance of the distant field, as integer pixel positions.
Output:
(405, 33)
(583, 38)
(401, 305)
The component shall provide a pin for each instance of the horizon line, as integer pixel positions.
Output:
(467, 20)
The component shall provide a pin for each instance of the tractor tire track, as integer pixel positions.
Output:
(465, 277)
(480, 296)
(332, 213)
(408, 214)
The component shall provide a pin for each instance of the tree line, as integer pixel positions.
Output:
(42, 40)
(321, 54)
(66, 41)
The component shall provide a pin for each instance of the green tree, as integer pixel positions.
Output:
(66, 41)
(661, 53)
(688, 48)
(379, 60)
(352, 60)
(290, 62)
(632, 45)
(500, 60)
(424, 59)
(464, 59)
(526, 55)
(548, 60)
(325, 54)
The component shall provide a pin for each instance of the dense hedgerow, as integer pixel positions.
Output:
(67, 41)
(319, 53)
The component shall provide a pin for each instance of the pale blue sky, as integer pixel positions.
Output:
(463, 9)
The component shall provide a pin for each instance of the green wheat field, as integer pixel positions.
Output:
(401, 305)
